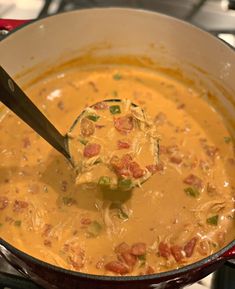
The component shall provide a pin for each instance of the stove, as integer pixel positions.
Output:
(215, 16)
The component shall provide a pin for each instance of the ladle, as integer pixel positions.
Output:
(17, 101)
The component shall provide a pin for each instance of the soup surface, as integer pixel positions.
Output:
(183, 213)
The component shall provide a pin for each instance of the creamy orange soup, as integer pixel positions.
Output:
(183, 213)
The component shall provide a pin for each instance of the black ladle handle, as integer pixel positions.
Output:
(17, 101)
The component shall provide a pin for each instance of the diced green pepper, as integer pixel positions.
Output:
(117, 76)
(68, 201)
(17, 223)
(227, 139)
(94, 229)
(192, 192)
(93, 117)
(115, 109)
(104, 181)
(213, 220)
(142, 259)
(1, 224)
(83, 141)
(125, 184)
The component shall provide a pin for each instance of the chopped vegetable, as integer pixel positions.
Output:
(227, 139)
(94, 229)
(17, 223)
(115, 109)
(1, 224)
(213, 220)
(104, 181)
(192, 192)
(142, 259)
(68, 201)
(83, 141)
(125, 184)
(117, 76)
(93, 117)
(91, 150)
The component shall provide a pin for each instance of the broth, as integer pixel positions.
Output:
(182, 214)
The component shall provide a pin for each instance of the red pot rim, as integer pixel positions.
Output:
(226, 253)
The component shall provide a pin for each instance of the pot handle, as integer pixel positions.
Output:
(8, 25)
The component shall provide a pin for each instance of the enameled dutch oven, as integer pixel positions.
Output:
(121, 31)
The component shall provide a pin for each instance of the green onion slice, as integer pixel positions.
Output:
(192, 192)
(115, 109)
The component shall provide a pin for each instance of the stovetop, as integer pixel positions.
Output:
(215, 16)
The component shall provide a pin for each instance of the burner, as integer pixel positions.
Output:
(231, 4)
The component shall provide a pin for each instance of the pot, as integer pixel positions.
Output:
(120, 31)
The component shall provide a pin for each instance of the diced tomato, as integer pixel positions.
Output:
(155, 168)
(46, 230)
(126, 159)
(126, 167)
(121, 165)
(150, 270)
(128, 258)
(91, 150)
(3, 202)
(117, 267)
(85, 221)
(18, 206)
(177, 253)
(164, 250)
(152, 169)
(47, 243)
(138, 249)
(176, 160)
(189, 247)
(124, 124)
(100, 106)
(194, 181)
(136, 171)
(26, 142)
(122, 144)
(87, 127)
(211, 151)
